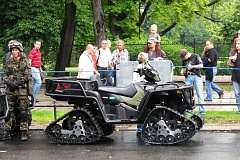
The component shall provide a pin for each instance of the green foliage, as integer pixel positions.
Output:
(27, 21)
(231, 25)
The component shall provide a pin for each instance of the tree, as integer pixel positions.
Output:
(231, 25)
(99, 21)
(67, 37)
(28, 20)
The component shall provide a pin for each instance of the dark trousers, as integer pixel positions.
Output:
(104, 73)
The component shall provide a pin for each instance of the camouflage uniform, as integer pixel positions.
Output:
(18, 72)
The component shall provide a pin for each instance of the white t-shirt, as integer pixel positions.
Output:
(86, 64)
(104, 58)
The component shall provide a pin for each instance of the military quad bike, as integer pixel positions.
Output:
(4, 112)
(165, 110)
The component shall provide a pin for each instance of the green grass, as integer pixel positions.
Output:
(44, 117)
(221, 117)
(223, 87)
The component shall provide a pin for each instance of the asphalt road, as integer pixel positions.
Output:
(124, 145)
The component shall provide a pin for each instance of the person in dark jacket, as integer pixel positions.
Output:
(212, 57)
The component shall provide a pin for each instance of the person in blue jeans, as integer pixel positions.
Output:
(211, 55)
(236, 72)
(35, 58)
(191, 70)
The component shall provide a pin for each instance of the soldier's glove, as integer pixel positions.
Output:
(12, 85)
(27, 78)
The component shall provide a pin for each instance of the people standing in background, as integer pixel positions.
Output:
(111, 67)
(211, 57)
(191, 70)
(154, 53)
(235, 40)
(109, 44)
(35, 60)
(235, 54)
(85, 65)
(119, 55)
(154, 34)
(94, 57)
(103, 62)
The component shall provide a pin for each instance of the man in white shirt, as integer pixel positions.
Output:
(103, 62)
(85, 65)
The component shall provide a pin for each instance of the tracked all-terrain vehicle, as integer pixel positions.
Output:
(165, 110)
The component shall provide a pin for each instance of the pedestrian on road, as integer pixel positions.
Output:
(211, 56)
(191, 70)
(236, 72)
(35, 60)
(17, 77)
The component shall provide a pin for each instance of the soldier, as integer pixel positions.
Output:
(18, 79)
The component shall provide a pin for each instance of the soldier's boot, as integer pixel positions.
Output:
(6, 136)
(24, 136)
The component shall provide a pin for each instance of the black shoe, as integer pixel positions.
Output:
(24, 136)
(221, 95)
(6, 136)
(36, 100)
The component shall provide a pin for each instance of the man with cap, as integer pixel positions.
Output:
(153, 51)
(191, 70)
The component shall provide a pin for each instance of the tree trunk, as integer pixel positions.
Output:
(99, 22)
(67, 38)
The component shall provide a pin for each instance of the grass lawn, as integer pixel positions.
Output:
(222, 117)
(44, 117)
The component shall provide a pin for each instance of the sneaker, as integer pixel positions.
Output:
(207, 100)
(202, 113)
(221, 95)
(36, 100)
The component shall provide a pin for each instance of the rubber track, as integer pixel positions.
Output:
(175, 141)
(66, 139)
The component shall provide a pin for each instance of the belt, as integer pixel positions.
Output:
(191, 73)
(103, 68)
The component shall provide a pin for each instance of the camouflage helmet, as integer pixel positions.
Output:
(17, 45)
